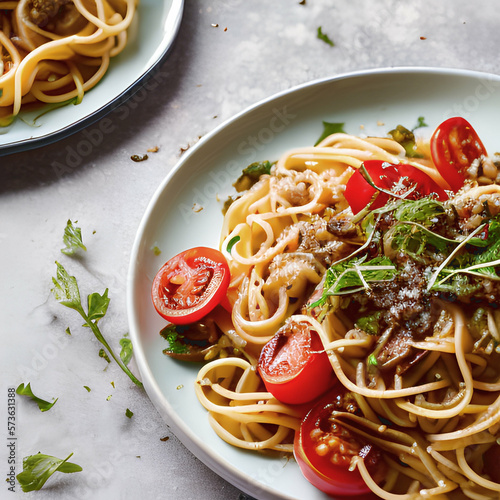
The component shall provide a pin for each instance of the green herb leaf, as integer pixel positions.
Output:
(25, 390)
(175, 346)
(329, 129)
(231, 243)
(324, 37)
(129, 413)
(87, 388)
(420, 123)
(406, 138)
(97, 305)
(66, 289)
(126, 351)
(370, 324)
(250, 175)
(72, 239)
(38, 468)
(355, 275)
(425, 210)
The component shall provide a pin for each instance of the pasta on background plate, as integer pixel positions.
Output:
(53, 51)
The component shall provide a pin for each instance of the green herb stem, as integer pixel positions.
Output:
(95, 329)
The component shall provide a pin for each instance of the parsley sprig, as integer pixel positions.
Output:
(67, 293)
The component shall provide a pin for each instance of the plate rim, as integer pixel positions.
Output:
(188, 438)
(173, 21)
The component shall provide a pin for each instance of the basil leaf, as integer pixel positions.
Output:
(38, 468)
(72, 239)
(353, 275)
(25, 390)
(329, 129)
(424, 210)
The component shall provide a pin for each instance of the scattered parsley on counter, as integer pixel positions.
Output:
(104, 355)
(67, 293)
(129, 413)
(72, 239)
(25, 390)
(324, 37)
(127, 350)
(38, 468)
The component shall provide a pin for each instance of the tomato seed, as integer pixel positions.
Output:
(322, 449)
(178, 279)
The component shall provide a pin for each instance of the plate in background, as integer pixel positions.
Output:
(186, 212)
(150, 38)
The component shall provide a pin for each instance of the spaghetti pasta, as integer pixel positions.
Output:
(53, 51)
(426, 381)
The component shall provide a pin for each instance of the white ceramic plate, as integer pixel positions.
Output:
(150, 38)
(185, 212)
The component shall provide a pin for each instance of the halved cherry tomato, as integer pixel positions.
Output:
(190, 285)
(323, 449)
(454, 146)
(294, 366)
(395, 178)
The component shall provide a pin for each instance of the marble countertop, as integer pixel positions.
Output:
(228, 55)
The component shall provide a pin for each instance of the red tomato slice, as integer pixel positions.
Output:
(323, 450)
(190, 285)
(454, 146)
(294, 366)
(395, 178)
